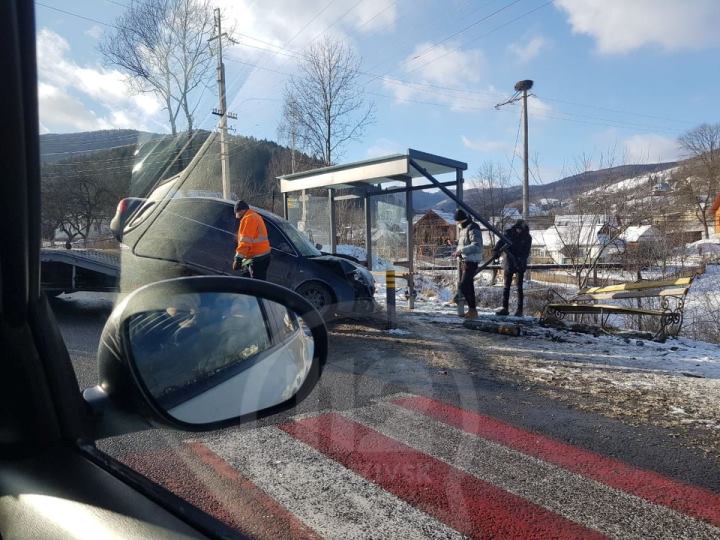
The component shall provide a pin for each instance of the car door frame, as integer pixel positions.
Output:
(41, 408)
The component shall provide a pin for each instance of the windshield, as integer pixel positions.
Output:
(299, 240)
(522, 198)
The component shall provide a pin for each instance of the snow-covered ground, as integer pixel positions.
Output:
(684, 355)
(635, 182)
(673, 385)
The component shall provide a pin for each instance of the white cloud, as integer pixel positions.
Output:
(620, 26)
(292, 25)
(529, 50)
(445, 64)
(59, 109)
(66, 87)
(486, 145)
(372, 15)
(444, 75)
(95, 31)
(537, 108)
(651, 148)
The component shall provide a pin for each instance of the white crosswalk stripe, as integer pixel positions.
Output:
(336, 502)
(329, 498)
(573, 496)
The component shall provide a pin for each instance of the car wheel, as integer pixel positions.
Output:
(318, 295)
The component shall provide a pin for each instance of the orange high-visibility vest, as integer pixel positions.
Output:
(252, 236)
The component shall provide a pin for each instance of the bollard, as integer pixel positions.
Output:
(390, 297)
(411, 291)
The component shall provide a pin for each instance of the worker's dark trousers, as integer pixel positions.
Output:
(467, 283)
(259, 267)
(508, 277)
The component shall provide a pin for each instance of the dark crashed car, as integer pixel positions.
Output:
(197, 235)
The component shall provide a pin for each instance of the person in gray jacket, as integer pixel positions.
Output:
(470, 252)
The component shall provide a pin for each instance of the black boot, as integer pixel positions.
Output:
(503, 311)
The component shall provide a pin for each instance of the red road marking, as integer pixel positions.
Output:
(694, 501)
(460, 500)
(260, 502)
(194, 473)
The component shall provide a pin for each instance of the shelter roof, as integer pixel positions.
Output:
(390, 168)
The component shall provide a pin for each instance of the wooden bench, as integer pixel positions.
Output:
(592, 301)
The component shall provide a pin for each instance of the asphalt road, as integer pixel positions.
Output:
(391, 447)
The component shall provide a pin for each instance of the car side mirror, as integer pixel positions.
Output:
(199, 353)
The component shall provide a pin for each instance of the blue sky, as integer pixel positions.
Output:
(617, 78)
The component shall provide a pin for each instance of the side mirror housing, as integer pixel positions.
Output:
(201, 353)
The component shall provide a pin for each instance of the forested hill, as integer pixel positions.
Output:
(59, 146)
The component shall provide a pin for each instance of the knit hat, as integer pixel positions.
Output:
(460, 215)
(240, 206)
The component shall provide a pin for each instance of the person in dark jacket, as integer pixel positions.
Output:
(469, 250)
(514, 263)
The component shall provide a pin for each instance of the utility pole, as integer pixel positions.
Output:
(526, 175)
(221, 111)
(521, 92)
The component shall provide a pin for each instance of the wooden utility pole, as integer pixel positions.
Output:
(526, 176)
(221, 111)
(521, 92)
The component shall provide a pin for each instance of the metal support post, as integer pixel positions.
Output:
(410, 244)
(368, 230)
(331, 204)
(390, 298)
(459, 189)
(285, 205)
(459, 184)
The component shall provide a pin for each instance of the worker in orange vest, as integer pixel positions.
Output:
(252, 254)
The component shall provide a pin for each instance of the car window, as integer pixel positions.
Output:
(190, 230)
(299, 240)
(506, 214)
(278, 240)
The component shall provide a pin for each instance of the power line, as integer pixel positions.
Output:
(454, 49)
(76, 15)
(312, 20)
(371, 19)
(463, 30)
(340, 18)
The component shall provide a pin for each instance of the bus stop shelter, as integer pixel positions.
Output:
(383, 189)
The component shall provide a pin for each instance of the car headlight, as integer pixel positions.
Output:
(363, 276)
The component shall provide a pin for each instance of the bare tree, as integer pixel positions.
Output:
(163, 47)
(491, 196)
(75, 200)
(324, 105)
(700, 182)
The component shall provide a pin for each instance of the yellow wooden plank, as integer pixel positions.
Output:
(597, 308)
(641, 293)
(639, 285)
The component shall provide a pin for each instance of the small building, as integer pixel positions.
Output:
(636, 235)
(434, 228)
(577, 238)
(435, 234)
